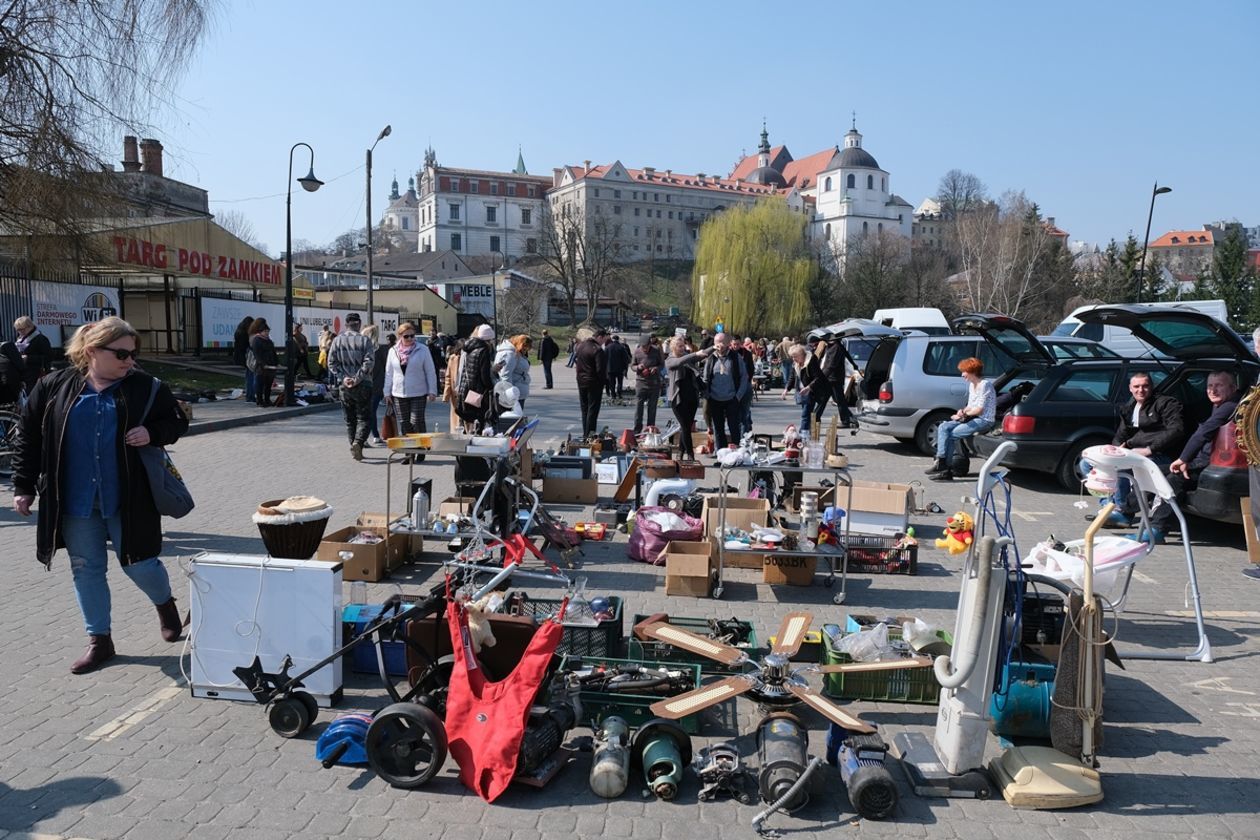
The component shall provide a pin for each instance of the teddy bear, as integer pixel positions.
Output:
(957, 534)
(480, 633)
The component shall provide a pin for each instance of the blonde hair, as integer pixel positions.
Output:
(24, 323)
(98, 334)
(371, 331)
(521, 342)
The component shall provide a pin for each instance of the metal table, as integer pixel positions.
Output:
(839, 477)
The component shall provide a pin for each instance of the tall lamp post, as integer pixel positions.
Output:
(494, 289)
(385, 132)
(309, 183)
(1156, 190)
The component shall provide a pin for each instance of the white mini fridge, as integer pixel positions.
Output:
(247, 605)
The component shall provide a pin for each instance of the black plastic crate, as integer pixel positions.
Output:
(878, 555)
(605, 639)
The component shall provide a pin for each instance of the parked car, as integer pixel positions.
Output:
(911, 383)
(1122, 340)
(925, 319)
(1066, 348)
(1077, 404)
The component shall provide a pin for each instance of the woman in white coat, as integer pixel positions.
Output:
(410, 380)
(511, 363)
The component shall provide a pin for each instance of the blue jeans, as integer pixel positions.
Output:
(85, 538)
(952, 430)
(250, 380)
(789, 374)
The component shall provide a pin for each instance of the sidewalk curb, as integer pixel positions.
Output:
(263, 416)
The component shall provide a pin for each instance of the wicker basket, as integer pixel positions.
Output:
(295, 540)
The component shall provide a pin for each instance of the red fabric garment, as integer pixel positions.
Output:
(485, 721)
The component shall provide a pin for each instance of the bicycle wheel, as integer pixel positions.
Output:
(8, 441)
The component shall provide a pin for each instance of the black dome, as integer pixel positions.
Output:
(856, 156)
(767, 175)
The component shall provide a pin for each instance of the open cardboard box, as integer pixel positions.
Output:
(581, 491)
(368, 561)
(740, 513)
(689, 568)
(879, 508)
(413, 543)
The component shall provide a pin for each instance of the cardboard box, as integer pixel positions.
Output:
(689, 568)
(825, 497)
(413, 544)
(581, 491)
(880, 508)
(527, 466)
(455, 506)
(370, 562)
(740, 513)
(791, 569)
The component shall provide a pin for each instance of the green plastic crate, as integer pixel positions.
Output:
(634, 708)
(653, 651)
(909, 685)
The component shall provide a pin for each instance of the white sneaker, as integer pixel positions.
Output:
(376, 441)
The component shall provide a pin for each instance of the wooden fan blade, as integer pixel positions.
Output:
(792, 633)
(677, 637)
(829, 710)
(701, 698)
(889, 665)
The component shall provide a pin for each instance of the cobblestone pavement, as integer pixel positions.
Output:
(127, 752)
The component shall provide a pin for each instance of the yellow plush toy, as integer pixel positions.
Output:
(957, 534)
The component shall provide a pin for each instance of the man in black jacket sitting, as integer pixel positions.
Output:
(1150, 425)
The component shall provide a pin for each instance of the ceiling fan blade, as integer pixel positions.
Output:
(677, 637)
(829, 710)
(888, 665)
(792, 633)
(701, 698)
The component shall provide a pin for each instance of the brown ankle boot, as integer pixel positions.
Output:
(100, 650)
(172, 625)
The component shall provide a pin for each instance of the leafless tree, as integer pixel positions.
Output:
(238, 224)
(520, 306)
(1001, 247)
(581, 254)
(73, 76)
(960, 192)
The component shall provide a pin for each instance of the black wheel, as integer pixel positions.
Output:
(872, 792)
(1066, 472)
(925, 432)
(8, 441)
(308, 700)
(406, 745)
(289, 717)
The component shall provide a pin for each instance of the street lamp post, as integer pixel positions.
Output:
(494, 289)
(385, 132)
(1146, 240)
(309, 183)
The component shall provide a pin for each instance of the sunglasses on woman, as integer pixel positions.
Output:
(122, 355)
(405, 336)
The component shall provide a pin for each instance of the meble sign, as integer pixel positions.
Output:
(143, 252)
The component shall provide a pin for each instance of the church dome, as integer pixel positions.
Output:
(857, 157)
(768, 176)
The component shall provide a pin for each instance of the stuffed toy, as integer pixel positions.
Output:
(479, 629)
(957, 534)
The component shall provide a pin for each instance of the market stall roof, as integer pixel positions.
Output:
(183, 247)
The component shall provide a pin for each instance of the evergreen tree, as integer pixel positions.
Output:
(1130, 261)
(1231, 278)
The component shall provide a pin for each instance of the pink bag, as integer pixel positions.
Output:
(647, 543)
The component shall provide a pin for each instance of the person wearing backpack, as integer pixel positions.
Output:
(727, 384)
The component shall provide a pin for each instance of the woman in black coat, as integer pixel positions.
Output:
(82, 424)
(684, 391)
(476, 376)
(35, 348)
(265, 360)
(240, 352)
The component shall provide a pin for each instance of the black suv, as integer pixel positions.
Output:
(1077, 403)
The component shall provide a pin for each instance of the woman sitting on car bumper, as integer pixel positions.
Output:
(977, 417)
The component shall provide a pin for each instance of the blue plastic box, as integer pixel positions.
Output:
(355, 618)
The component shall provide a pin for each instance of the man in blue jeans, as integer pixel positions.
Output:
(976, 417)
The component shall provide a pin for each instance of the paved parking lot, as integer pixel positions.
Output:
(127, 752)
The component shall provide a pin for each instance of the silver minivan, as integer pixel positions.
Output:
(911, 383)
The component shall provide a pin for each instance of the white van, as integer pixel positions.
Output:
(925, 319)
(1122, 341)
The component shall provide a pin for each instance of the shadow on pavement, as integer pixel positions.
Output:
(21, 809)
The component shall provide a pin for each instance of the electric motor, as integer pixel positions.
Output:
(610, 767)
(782, 749)
(544, 734)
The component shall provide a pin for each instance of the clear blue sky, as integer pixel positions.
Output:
(1082, 105)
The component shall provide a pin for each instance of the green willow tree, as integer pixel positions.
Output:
(754, 267)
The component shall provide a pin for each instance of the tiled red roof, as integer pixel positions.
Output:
(803, 173)
(746, 166)
(1181, 238)
(675, 179)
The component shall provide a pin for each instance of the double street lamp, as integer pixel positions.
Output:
(309, 183)
(371, 313)
(1156, 190)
